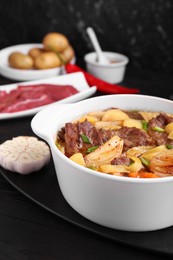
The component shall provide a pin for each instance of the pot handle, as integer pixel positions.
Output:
(41, 122)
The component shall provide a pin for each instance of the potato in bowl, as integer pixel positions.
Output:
(54, 52)
(119, 202)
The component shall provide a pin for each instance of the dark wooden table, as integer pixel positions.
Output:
(28, 231)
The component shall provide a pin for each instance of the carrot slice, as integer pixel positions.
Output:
(133, 174)
(148, 175)
(142, 175)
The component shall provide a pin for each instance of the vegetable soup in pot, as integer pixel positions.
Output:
(136, 144)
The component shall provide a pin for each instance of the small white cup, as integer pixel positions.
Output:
(112, 72)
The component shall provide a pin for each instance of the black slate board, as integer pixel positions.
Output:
(42, 188)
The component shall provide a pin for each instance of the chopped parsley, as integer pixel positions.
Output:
(91, 149)
(169, 146)
(158, 129)
(57, 144)
(85, 139)
(145, 161)
(144, 125)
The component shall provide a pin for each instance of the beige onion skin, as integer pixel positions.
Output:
(24, 154)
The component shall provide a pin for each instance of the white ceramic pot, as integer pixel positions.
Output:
(123, 203)
(113, 72)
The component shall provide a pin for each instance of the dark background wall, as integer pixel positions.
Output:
(140, 29)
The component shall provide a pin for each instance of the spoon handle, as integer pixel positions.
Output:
(94, 40)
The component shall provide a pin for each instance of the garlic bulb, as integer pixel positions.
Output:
(24, 154)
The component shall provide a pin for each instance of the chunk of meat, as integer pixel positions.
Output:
(132, 136)
(87, 129)
(74, 134)
(160, 121)
(105, 135)
(122, 160)
(71, 138)
(134, 115)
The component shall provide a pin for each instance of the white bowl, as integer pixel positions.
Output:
(130, 204)
(23, 75)
(113, 72)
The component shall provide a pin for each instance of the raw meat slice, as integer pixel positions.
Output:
(30, 96)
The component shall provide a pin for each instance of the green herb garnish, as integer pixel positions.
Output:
(145, 161)
(57, 144)
(158, 129)
(91, 149)
(144, 125)
(169, 146)
(85, 139)
(131, 162)
(92, 168)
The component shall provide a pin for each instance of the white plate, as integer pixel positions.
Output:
(17, 74)
(75, 79)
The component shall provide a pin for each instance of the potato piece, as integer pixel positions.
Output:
(78, 158)
(114, 114)
(68, 54)
(55, 42)
(34, 52)
(98, 114)
(111, 169)
(90, 119)
(170, 136)
(19, 60)
(108, 125)
(171, 115)
(148, 115)
(47, 60)
(169, 128)
(133, 123)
